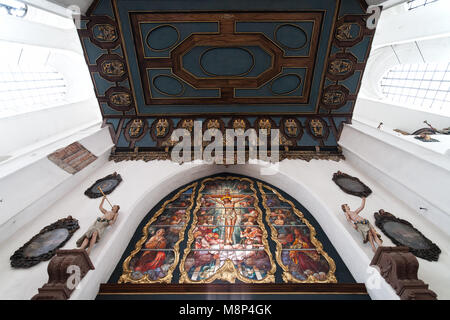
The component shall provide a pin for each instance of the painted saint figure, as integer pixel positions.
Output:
(97, 229)
(230, 214)
(152, 259)
(362, 225)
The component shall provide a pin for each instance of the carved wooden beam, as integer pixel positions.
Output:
(399, 268)
(64, 265)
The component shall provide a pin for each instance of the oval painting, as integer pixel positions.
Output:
(405, 235)
(46, 242)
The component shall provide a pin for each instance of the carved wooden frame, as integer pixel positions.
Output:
(19, 260)
(367, 191)
(430, 254)
(93, 195)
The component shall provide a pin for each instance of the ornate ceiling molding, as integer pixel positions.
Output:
(298, 69)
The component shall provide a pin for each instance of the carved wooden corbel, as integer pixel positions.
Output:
(64, 265)
(399, 268)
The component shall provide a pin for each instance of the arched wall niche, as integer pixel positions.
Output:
(167, 176)
(188, 220)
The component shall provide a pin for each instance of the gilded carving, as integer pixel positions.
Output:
(113, 68)
(120, 99)
(239, 124)
(213, 124)
(105, 32)
(162, 128)
(264, 123)
(291, 127)
(285, 141)
(333, 97)
(317, 127)
(164, 155)
(344, 32)
(135, 128)
(340, 66)
(187, 124)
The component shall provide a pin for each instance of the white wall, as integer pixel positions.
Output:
(83, 4)
(145, 184)
(33, 43)
(372, 112)
(398, 24)
(28, 131)
(31, 184)
(420, 177)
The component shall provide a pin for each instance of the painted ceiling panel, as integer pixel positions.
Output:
(295, 65)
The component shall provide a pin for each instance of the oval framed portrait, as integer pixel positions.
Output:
(44, 245)
(351, 185)
(403, 233)
(106, 185)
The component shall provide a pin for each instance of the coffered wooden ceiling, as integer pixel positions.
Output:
(295, 65)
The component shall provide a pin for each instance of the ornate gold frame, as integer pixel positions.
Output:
(227, 271)
(126, 274)
(287, 276)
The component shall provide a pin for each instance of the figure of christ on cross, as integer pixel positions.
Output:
(228, 202)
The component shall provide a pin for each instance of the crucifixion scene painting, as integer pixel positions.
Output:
(227, 229)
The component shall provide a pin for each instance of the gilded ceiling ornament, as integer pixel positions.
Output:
(239, 124)
(113, 68)
(333, 97)
(340, 66)
(136, 128)
(316, 127)
(188, 124)
(291, 127)
(285, 141)
(120, 99)
(213, 124)
(162, 128)
(343, 32)
(265, 124)
(106, 32)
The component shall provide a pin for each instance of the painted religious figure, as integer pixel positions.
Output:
(228, 239)
(156, 254)
(229, 214)
(362, 225)
(97, 229)
(151, 260)
(301, 260)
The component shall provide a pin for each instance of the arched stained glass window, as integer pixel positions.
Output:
(231, 229)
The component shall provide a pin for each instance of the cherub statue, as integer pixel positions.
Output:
(96, 230)
(362, 225)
